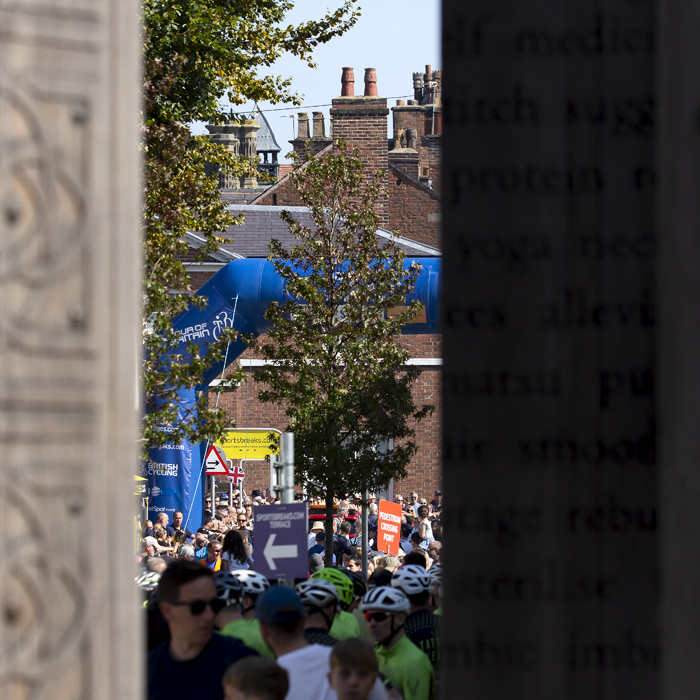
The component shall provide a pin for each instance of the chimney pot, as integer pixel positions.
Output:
(400, 103)
(303, 125)
(347, 83)
(319, 126)
(371, 82)
(412, 103)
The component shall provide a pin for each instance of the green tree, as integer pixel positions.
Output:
(337, 365)
(196, 54)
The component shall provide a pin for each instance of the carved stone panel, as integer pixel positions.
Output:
(69, 284)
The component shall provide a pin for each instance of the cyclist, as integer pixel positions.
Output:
(360, 588)
(421, 625)
(246, 627)
(400, 660)
(345, 625)
(230, 590)
(321, 603)
(436, 588)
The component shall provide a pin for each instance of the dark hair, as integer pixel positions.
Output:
(284, 629)
(233, 544)
(379, 577)
(345, 526)
(415, 537)
(179, 537)
(354, 653)
(178, 574)
(423, 512)
(406, 530)
(256, 675)
(417, 556)
(355, 559)
(320, 536)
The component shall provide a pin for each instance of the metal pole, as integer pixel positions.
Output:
(287, 460)
(213, 496)
(287, 480)
(365, 535)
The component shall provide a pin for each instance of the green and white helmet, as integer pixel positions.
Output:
(318, 593)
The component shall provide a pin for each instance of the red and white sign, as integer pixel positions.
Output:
(215, 461)
(389, 527)
(237, 475)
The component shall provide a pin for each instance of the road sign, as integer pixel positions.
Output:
(248, 443)
(215, 461)
(280, 540)
(389, 531)
(237, 475)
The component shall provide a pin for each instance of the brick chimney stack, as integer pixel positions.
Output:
(362, 123)
(318, 137)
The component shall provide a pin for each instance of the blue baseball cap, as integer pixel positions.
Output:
(278, 604)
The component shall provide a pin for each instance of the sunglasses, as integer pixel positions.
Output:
(376, 616)
(197, 607)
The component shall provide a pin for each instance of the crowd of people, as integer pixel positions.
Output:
(219, 628)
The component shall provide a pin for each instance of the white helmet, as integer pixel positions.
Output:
(412, 579)
(391, 600)
(228, 587)
(318, 593)
(253, 582)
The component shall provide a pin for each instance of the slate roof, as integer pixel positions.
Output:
(267, 142)
(263, 223)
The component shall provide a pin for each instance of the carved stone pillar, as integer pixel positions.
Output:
(70, 623)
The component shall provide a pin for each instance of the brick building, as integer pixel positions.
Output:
(411, 164)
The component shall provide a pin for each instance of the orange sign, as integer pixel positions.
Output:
(389, 530)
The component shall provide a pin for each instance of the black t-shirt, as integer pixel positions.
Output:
(197, 678)
(421, 627)
(172, 530)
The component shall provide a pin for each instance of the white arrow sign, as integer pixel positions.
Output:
(281, 551)
(215, 461)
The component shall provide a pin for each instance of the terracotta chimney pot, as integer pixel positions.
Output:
(347, 82)
(371, 82)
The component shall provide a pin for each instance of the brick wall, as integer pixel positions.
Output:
(431, 157)
(414, 209)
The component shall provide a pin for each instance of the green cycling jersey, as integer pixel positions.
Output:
(248, 631)
(345, 625)
(438, 611)
(408, 669)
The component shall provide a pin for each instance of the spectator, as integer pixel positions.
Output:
(437, 501)
(343, 539)
(417, 556)
(200, 543)
(354, 670)
(315, 563)
(147, 529)
(415, 540)
(213, 560)
(315, 529)
(425, 528)
(404, 542)
(177, 525)
(233, 554)
(413, 503)
(255, 678)
(434, 551)
(186, 552)
(193, 661)
(373, 517)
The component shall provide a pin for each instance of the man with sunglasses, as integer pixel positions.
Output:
(400, 660)
(192, 662)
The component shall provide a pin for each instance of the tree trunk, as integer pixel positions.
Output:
(328, 560)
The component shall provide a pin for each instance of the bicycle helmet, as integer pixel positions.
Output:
(253, 582)
(148, 581)
(358, 583)
(340, 580)
(318, 593)
(387, 599)
(411, 579)
(228, 587)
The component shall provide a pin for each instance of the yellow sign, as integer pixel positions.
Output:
(251, 443)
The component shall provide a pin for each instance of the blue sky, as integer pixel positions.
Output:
(397, 37)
